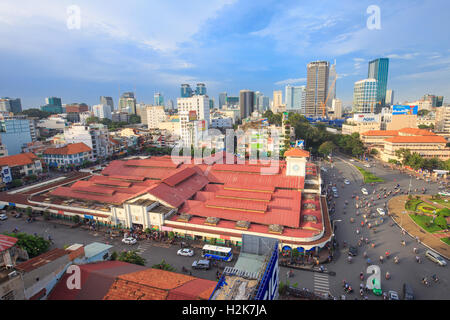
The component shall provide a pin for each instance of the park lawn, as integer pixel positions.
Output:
(441, 201)
(425, 207)
(369, 177)
(422, 219)
(412, 204)
(446, 240)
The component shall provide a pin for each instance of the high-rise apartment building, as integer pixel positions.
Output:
(77, 108)
(102, 111)
(246, 103)
(10, 105)
(365, 96)
(15, 132)
(389, 98)
(108, 101)
(127, 103)
(201, 89)
(222, 100)
(336, 105)
(379, 69)
(332, 82)
(443, 119)
(186, 91)
(158, 99)
(232, 102)
(317, 88)
(194, 113)
(277, 101)
(155, 115)
(436, 101)
(95, 136)
(54, 101)
(295, 99)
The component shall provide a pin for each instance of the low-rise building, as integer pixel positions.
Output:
(361, 123)
(19, 166)
(95, 136)
(11, 284)
(71, 154)
(426, 146)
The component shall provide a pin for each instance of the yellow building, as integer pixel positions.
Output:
(359, 127)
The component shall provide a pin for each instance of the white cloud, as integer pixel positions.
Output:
(290, 81)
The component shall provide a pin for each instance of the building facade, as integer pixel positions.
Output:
(155, 115)
(317, 88)
(108, 101)
(365, 96)
(95, 136)
(71, 154)
(295, 99)
(246, 103)
(379, 69)
(127, 102)
(16, 132)
(102, 111)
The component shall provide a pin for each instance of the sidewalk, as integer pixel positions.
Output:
(396, 208)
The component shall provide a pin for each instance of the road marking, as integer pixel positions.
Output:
(321, 283)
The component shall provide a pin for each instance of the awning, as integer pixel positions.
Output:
(2, 206)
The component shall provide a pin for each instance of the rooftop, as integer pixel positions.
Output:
(416, 132)
(95, 248)
(7, 242)
(41, 260)
(18, 160)
(417, 139)
(380, 133)
(70, 149)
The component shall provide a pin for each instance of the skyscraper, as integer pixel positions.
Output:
(277, 101)
(246, 103)
(365, 96)
(378, 69)
(186, 91)
(10, 105)
(158, 99)
(128, 102)
(332, 82)
(295, 98)
(222, 100)
(389, 97)
(201, 89)
(108, 101)
(316, 88)
(258, 95)
(53, 101)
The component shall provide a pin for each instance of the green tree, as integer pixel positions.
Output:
(33, 245)
(36, 113)
(135, 119)
(76, 219)
(163, 265)
(16, 183)
(92, 120)
(327, 148)
(132, 257)
(46, 215)
(29, 212)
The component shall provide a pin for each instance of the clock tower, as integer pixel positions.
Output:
(296, 162)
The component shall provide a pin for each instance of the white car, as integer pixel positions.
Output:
(346, 181)
(185, 252)
(364, 191)
(334, 189)
(3, 216)
(381, 211)
(367, 165)
(129, 240)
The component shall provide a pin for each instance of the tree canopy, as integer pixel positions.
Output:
(33, 245)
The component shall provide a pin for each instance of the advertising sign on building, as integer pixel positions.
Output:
(6, 174)
(407, 110)
(192, 115)
(300, 144)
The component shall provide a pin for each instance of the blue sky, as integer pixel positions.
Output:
(228, 44)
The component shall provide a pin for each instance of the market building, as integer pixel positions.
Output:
(211, 201)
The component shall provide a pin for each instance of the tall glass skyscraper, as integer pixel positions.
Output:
(201, 89)
(158, 99)
(295, 98)
(378, 70)
(186, 91)
(222, 100)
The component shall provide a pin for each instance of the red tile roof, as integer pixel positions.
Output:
(380, 133)
(156, 284)
(41, 260)
(73, 148)
(417, 132)
(18, 160)
(7, 242)
(294, 152)
(179, 176)
(417, 139)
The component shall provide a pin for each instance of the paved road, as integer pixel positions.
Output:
(152, 251)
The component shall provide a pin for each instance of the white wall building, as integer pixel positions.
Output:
(365, 96)
(102, 111)
(155, 115)
(95, 136)
(193, 109)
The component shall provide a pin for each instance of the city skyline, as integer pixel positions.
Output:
(260, 46)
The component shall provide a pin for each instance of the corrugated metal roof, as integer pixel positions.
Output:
(41, 260)
(179, 176)
(7, 242)
(95, 248)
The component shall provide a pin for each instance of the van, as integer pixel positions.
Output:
(408, 293)
(201, 264)
(435, 258)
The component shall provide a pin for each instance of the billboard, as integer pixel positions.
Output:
(408, 110)
(192, 115)
(300, 144)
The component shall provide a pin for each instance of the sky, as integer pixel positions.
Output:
(153, 46)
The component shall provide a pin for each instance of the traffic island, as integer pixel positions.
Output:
(407, 213)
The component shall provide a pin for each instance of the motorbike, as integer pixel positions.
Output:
(396, 260)
(361, 276)
(388, 275)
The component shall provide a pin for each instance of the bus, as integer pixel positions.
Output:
(216, 252)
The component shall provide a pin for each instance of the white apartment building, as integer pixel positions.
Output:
(155, 115)
(95, 136)
(443, 119)
(365, 96)
(336, 105)
(194, 113)
(102, 111)
(221, 122)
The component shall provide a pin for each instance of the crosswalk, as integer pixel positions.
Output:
(321, 283)
(144, 246)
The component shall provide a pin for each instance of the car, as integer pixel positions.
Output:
(352, 251)
(435, 258)
(335, 195)
(444, 193)
(364, 191)
(408, 293)
(381, 211)
(18, 215)
(367, 165)
(185, 252)
(323, 169)
(393, 295)
(334, 189)
(352, 160)
(129, 240)
(3, 216)
(346, 181)
(201, 264)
